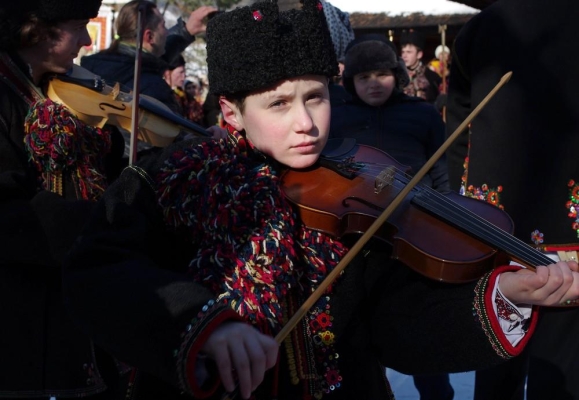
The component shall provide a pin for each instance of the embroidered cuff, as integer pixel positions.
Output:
(196, 333)
(514, 321)
(494, 312)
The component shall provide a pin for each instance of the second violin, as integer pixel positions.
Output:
(97, 104)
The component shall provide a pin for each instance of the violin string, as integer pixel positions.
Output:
(485, 230)
(463, 217)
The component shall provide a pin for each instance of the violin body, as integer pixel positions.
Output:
(342, 206)
(97, 104)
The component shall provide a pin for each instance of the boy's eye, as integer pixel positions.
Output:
(278, 103)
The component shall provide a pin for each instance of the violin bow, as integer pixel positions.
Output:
(136, 86)
(442, 31)
(309, 303)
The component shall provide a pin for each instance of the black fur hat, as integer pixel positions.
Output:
(14, 13)
(177, 61)
(256, 46)
(412, 37)
(51, 10)
(373, 52)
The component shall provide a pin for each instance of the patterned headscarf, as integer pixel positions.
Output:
(340, 29)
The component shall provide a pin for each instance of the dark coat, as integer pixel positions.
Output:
(523, 148)
(525, 139)
(407, 128)
(43, 353)
(432, 90)
(117, 64)
(128, 287)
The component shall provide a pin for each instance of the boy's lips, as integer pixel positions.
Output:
(306, 144)
(306, 147)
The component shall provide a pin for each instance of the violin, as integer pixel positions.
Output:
(96, 104)
(445, 237)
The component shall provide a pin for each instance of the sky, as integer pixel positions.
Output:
(396, 7)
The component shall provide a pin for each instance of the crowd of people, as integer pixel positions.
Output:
(176, 276)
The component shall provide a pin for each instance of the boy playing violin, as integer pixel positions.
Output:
(194, 261)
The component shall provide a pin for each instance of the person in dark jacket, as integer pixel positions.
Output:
(161, 47)
(193, 262)
(175, 78)
(424, 83)
(523, 159)
(52, 169)
(382, 116)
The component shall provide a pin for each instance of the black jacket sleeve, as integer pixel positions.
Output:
(177, 41)
(123, 282)
(36, 228)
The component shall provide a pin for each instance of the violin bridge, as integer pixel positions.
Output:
(384, 178)
(115, 91)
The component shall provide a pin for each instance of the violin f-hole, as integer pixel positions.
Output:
(103, 106)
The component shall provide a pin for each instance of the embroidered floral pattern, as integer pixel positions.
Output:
(490, 195)
(323, 338)
(419, 84)
(58, 143)
(464, 177)
(573, 204)
(505, 310)
(484, 193)
(481, 314)
(537, 237)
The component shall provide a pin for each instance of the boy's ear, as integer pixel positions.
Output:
(148, 35)
(231, 114)
(167, 76)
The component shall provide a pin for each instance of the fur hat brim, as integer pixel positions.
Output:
(372, 54)
(369, 56)
(254, 47)
(62, 10)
